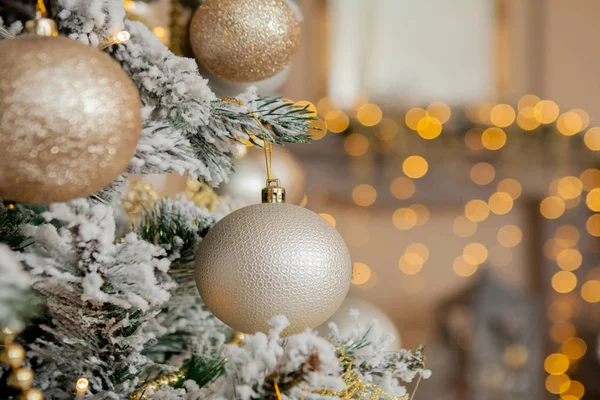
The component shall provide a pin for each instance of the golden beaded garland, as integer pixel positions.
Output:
(244, 40)
(20, 378)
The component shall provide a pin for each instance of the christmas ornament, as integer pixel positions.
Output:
(20, 378)
(368, 312)
(244, 40)
(70, 119)
(248, 180)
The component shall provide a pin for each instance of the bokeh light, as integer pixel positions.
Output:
(567, 236)
(387, 130)
(590, 179)
(493, 138)
(562, 331)
(361, 273)
(528, 100)
(429, 127)
(515, 356)
(546, 111)
(329, 218)
(317, 129)
(439, 110)
(483, 173)
(557, 384)
(584, 116)
(569, 123)
(404, 218)
(510, 235)
(569, 259)
(462, 268)
(526, 119)
(473, 139)
(592, 139)
(560, 311)
(410, 263)
(475, 253)
(510, 186)
(337, 121)
(477, 210)
(590, 291)
(422, 213)
(575, 392)
(564, 281)
(415, 167)
(592, 225)
(413, 116)
(500, 203)
(464, 227)
(502, 115)
(364, 195)
(325, 106)
(569, 187)
(556, 364)
(369, 114)
(402, 188)
(574, 348)
(592, 200)
(356, 144)
(420, 249)
(310, 107)
(552, 207)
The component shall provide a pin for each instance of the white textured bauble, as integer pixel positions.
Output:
(246, 183)
(273, 259)
(368, 312)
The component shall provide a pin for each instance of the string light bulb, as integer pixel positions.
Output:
(82, 384)
(117, 38)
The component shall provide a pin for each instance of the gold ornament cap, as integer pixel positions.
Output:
(42, 27)
(273, 192)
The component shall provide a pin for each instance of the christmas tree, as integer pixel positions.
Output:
(95, 304)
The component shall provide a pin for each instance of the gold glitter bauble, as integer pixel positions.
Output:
(273, 259)
(70, 119)
(244, 40)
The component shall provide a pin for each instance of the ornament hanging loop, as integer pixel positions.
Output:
(273, 192)
(41, 26)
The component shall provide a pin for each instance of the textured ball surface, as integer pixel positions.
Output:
(273, 259)
(244, 40)
(70, 119)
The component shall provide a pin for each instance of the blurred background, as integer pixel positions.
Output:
(458, 158)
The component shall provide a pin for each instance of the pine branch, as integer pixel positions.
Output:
(203, 372)
(12, 216)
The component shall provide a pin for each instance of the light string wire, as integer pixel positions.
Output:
(267, 145)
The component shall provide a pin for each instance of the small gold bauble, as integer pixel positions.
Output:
(32, 394)
(21, 378)
(151, 385)
(173, 378)
(162, 380)
(238, 338)
(13, 355)
(70, 119)
(244, 40)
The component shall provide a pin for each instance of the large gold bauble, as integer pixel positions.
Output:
(244, 40)
(273, 259)
(70, 119)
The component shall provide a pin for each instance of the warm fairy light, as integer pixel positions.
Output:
(82, 384)
(592, 139)
(567, 236)
(422, 213)
(404, 218)
(557, 383)
(592, 200)
(420, 249)
(329, 218)
(500, 203)
(429, 127)
(309, 106)
(462, 268)
(569, 123)
(160, 33)
(473, 139)
(592, 225)
(337, 121)
(475, 253)
(369, 114)
(402, 188)
(483, 112)
(464, 227)
(364, 195)
(546, 111)
(575, 392)
(526, 119)
(590, 291)
(569, 187)
(483, 173)
(117, 38)
(356, 144)
(510, 186)
(410, 263)
(324, 106)
(584, 116)
(361, 273)
(439, 110)
(493, 138)
(553, 187)
(317, 129)
(564, 281)
(129, 5)
(552, 207)
(529, 100)
(413, 116)
(572, 203)
(515, 356)
(551, 249)
(560, 311)
(477, 210)
(415, 167)
(574, 348)
(562, 331)
(387, 130)
(590, 179)
(510, 235)
(556, 364)
(569, 259)
(502, 115)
